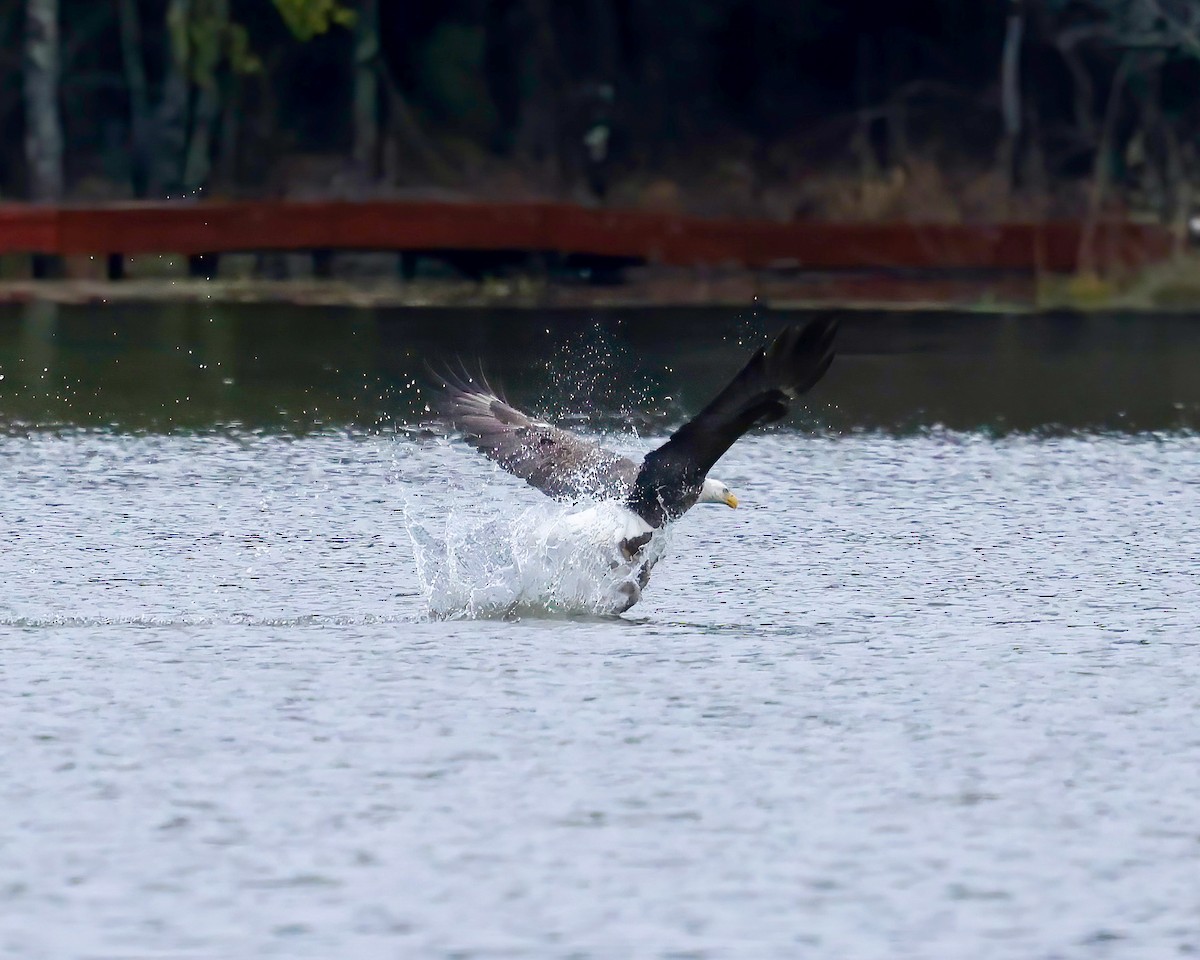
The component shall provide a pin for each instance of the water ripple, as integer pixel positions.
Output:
(922, 696)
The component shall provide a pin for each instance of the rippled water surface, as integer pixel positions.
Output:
(927, 694)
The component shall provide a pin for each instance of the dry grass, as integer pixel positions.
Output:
(922, 189)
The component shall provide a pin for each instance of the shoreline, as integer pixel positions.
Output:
(650, 288)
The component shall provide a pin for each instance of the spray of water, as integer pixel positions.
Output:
(550, 560)
(483, 558)
(590, 372)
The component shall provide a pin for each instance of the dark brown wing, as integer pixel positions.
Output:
(555, 461)
(762, 392)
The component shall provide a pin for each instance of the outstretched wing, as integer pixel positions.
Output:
(761, 393)
(557, 462)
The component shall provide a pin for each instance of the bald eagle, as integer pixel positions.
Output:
(638, 499)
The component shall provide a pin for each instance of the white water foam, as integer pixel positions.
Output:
(551, 560)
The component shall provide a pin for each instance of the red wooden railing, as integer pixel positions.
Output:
(213, 228)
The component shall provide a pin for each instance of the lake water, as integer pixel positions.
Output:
(931, 691)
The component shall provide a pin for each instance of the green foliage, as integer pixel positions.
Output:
(203, 37)
(308, 18)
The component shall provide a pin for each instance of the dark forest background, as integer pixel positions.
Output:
(842, 109)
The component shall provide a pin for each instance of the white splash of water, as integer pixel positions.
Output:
(545, 561)
(485, 560)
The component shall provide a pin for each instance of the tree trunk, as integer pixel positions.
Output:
(170, 123)
(1179, 196)
(198, 167)
(1087, 261)
(139, 96)
(43, 120)
(231, 112)
(1155, 177)
(1083, 99)
(407, 131)
(1010, 89)
(366, 89)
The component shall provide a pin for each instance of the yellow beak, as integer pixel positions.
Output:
(731, 500)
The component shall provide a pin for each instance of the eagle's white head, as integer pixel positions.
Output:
(714, 491)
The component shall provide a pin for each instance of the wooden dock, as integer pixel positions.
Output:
(202, 231)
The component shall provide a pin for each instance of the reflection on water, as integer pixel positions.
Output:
(292, 368)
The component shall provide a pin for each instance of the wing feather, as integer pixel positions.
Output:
(555, 461)
(762, 392)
